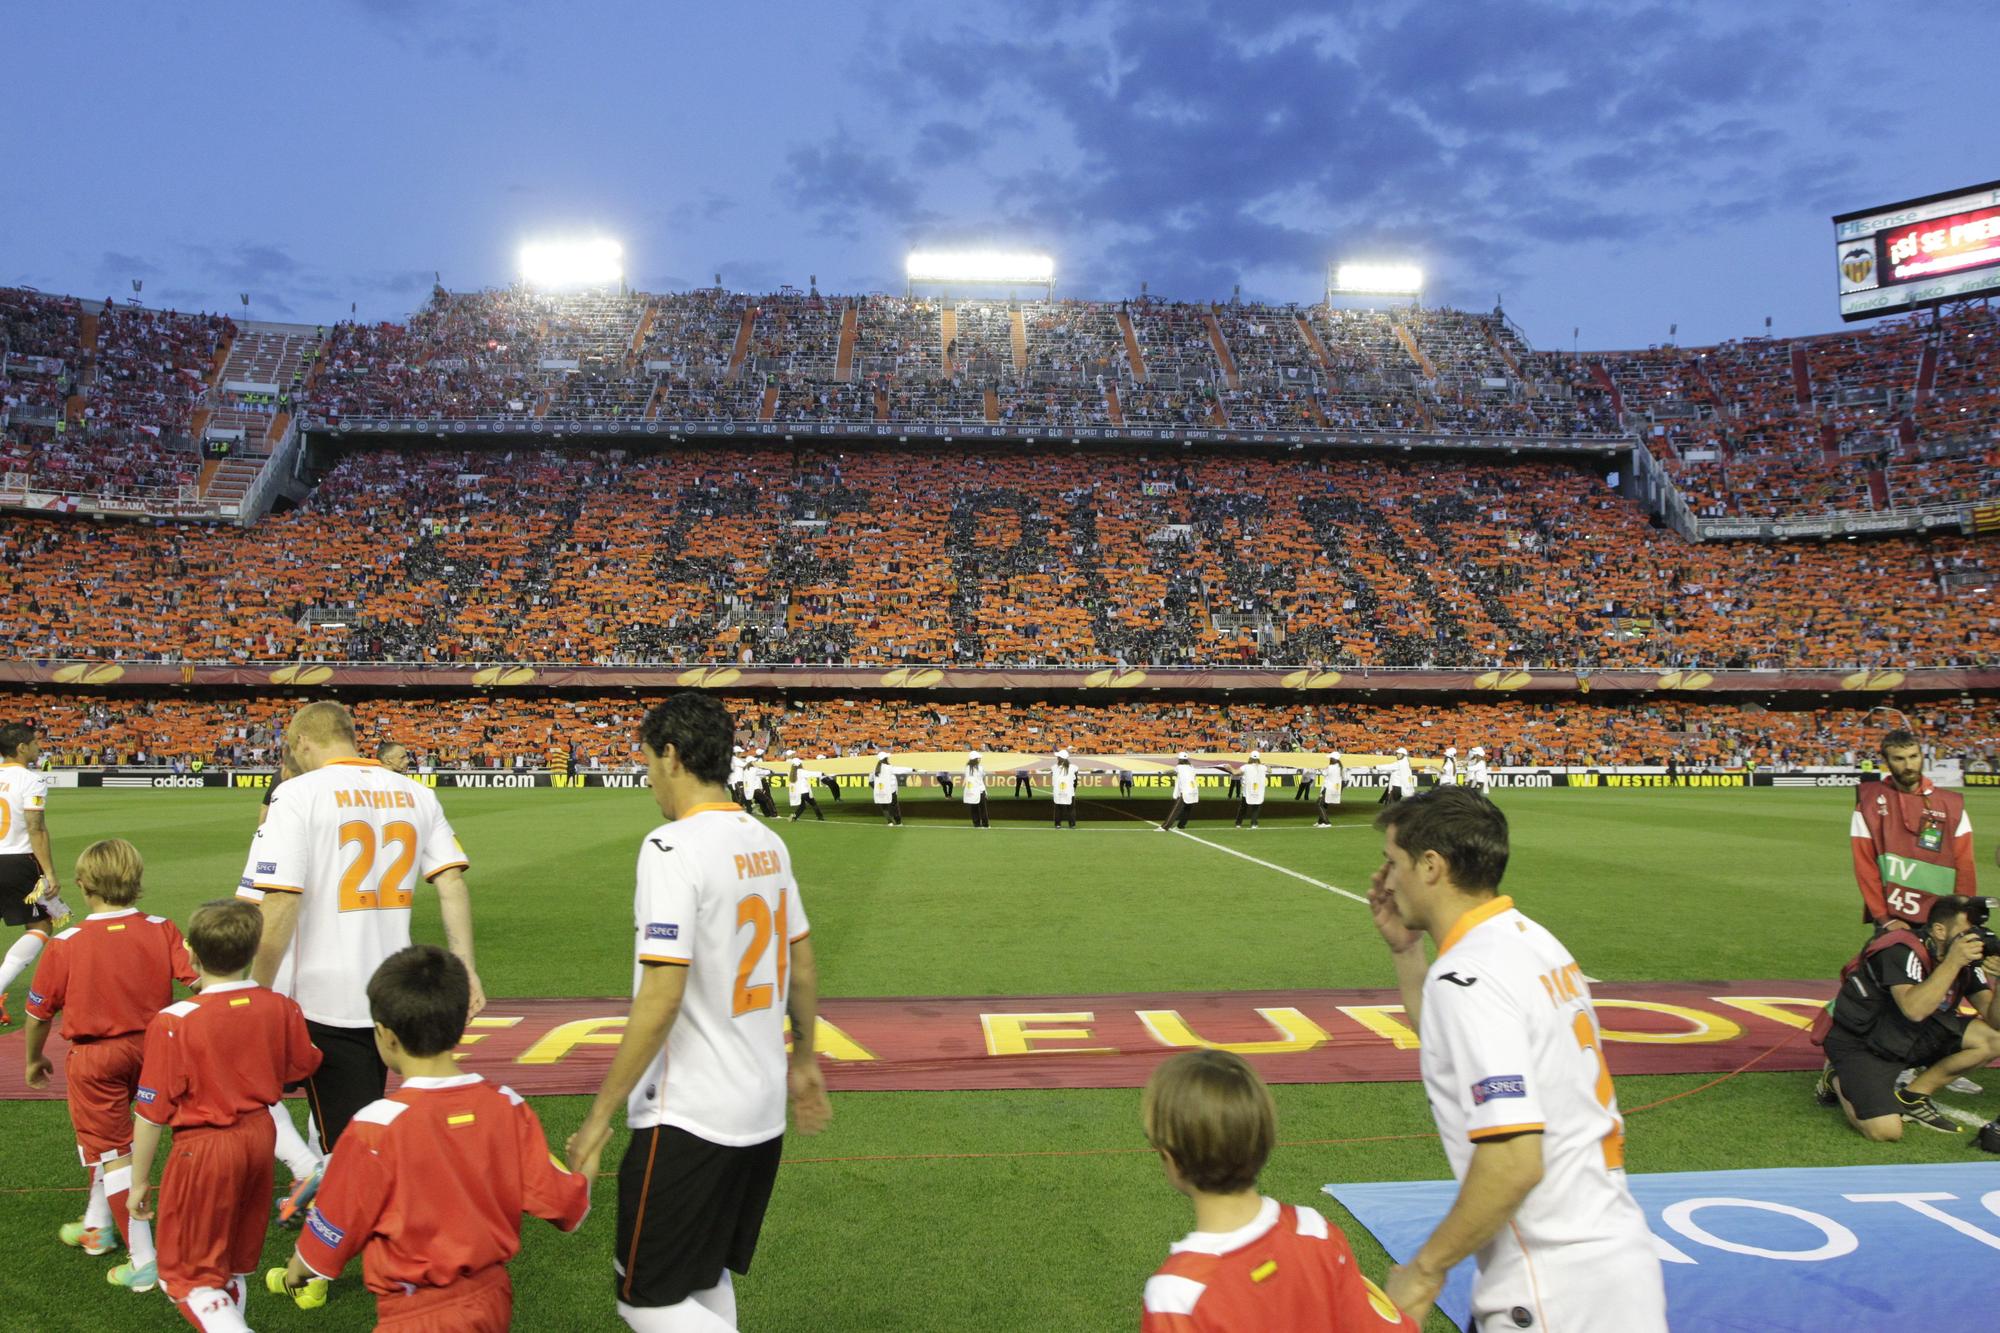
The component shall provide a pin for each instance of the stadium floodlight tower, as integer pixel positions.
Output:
(983, 269)
(595, 263)
(1375, 281)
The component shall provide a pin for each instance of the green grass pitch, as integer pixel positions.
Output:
(1641, 885)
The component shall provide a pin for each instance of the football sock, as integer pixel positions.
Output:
(23, 954)
(690, 1316)
(719, 1299)
(215, 1309)
(138, 1235)
(97, 1213)
(291, 1145)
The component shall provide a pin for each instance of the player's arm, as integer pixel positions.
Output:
(145, 1147)
(455, 907)
(549, 1190)
(811, 1111)
(1867, 870)
(46, 996)
(281, 921)
(358, 1189)
(1502, 1173)
(654, 1009)
(37, 824)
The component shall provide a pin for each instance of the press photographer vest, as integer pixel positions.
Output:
(1897, 820)
(1865, 1007)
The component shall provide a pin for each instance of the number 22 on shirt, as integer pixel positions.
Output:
(361, 888)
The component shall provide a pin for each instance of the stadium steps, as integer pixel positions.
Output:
(1417, 354)
(1217, 414)
(739, 353)
(542, 407)
(1927, 367)
(1221, 345)
(1017, 334)
(232, 480)
(1513, 362)
(637, 349)
(1801, 377)
(208, 470)
(652, 412)
(992, 407)
(769, 410)
(1829, 443)
(1906, 431)
(1610, 386)
(1314, 411)
(881, 404)
(1132, 353)
(850, 333)
(1112, 407)
(1311, 335)
(947, 338)
(1878, 487)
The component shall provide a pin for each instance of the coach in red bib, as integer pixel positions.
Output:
(1912, 840)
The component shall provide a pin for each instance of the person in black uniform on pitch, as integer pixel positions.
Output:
(1024, 784)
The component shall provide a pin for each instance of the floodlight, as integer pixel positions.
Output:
(994, 266)
(1379, 279)
(593, 262)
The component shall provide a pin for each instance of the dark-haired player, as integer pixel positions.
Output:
(29, 895)
(1513, 1067)
(429, 1184)
(722, 957)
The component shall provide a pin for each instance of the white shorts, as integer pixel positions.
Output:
(1611, 1284)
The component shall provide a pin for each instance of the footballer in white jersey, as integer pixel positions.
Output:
(335, 867)
(28, 896)
(1514, 1071)
(721, 961)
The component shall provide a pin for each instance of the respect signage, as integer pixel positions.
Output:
(1805, 1249)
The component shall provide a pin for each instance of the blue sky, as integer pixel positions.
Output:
(1619, 167)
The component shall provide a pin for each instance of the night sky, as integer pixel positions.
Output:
(1622, 167)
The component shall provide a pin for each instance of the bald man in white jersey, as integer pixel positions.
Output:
(335, 867)
(1513, 1065)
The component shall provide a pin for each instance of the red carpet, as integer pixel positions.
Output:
(1113, 1041)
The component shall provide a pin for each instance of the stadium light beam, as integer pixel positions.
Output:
(555, 265)
(997, 267)
(1379, 279)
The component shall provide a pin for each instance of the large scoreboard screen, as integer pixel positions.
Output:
(1943, 247)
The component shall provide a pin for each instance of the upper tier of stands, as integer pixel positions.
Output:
(775, 554)
(1899, 414)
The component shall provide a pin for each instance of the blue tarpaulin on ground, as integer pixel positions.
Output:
(1805, 1249)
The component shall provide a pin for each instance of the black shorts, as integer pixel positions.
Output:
(1868, 1078)
(687, 1209)
(18, 874)
(350, 1075)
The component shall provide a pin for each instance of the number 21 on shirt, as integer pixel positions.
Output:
(754, 912)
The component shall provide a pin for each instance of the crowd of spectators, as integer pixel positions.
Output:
(602, 731)
(992, 556)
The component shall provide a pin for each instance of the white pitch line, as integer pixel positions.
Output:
(1271, 865)
(1268, 865)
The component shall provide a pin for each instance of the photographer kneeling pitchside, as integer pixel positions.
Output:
(1898, 1009)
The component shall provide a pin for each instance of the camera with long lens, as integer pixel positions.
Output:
(1977, 910)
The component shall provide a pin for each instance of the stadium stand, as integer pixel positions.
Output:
(528, 732)
(995, 556)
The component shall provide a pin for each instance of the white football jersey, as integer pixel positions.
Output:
(22, 792)
(716, 896)
(1448, 774)
(1187, 787)
(352, 839)
(1255, 775)
(1510, 1043)
(1062, 780)
(1402, 777)
(1331, 783)
(883, 783)
(974, 785)
(801, 784)
(1475, 773)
